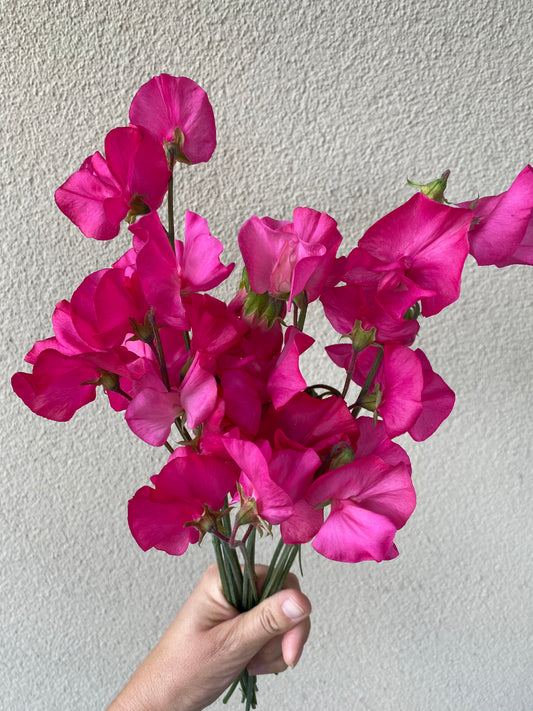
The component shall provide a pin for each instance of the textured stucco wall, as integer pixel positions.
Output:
(326, 104)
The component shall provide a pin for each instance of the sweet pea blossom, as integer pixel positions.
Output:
(286, 258)
(502, 230)
(370, 500)
(153, 409)
(166, 275)
(398, 399)
(158, 515)
(310, 422)
(344, 305)
(271, 501)
(60, 384)
(415, 253)
(176, 111)
(286, 380)
(437, 401)
(131, 180)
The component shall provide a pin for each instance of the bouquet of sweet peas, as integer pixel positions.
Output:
(258, 446)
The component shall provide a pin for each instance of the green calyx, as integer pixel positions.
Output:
(435, 189)
(359, 337)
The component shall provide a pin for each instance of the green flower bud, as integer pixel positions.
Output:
(435, 189)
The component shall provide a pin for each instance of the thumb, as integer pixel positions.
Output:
(276, 615)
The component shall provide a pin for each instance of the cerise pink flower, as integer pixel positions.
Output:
(158, 515)
(131, 180)
(415, 253)
(284, 258)
(176, 111)
(370, 500)
(502, 231)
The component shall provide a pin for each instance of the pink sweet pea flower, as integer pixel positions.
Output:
(400, 380)
(215, 329)
(60, 384)
(437, 401)
(375, 440)
(153, 409)
(284, 258)
(158, 516)
(165, 275)
(176, 111)
(370, 500)
(293, 470)
(415, 253)
(285, 380)
(272, 502)
(132, 180)
(343, 305)
(502, 231)
(102, 306)
(310, 422)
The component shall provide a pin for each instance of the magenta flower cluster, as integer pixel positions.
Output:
(255, 435)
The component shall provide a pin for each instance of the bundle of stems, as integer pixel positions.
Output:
(239, 584)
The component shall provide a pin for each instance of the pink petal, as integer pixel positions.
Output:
(198, 393)
(81, 198)
(502, 232)
(199, 256)
(54, 389)
(165, 103)
(285, 381)
(437, 401)
(151, 413)
(351, 534)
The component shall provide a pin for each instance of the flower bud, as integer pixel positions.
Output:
(142, 331)
(341, 454)
(412, 313)
(435, 189)
(360, 338)
(371, 401)
(264, 306)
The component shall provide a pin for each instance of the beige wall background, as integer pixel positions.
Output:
(330, 105)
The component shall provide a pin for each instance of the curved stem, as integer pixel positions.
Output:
(323, 386)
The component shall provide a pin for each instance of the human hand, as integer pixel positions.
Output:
(209, 643)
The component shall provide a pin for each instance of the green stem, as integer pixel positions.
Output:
(170, 203)
(282, 570)
(230, 691)
(159, 350)
(249, 588)
(182, 430)
(356, 407)
(222, 569)
(303, 312)
(322, 386)
(235, 574)
(349, 373)
(273, 562)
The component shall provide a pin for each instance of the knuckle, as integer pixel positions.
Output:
(268, 621)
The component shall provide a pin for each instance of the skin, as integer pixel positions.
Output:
(209, 643)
